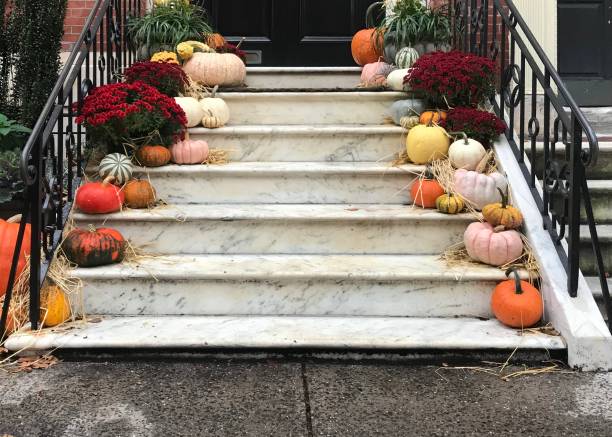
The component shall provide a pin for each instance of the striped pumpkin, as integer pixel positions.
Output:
(117, 165)
(406, 57)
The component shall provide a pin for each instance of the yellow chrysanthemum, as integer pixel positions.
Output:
(168, 57)
(184, 50)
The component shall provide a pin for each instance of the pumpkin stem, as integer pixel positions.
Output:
(428, 174)
(463, 134)
(15, 219)
(108, 180)
(504, 196)
(517, 279)
(213, 93)
(500, 228)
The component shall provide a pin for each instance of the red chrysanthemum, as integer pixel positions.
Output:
(169, 79)
(121, 112)
(483, 126)
(453, 78)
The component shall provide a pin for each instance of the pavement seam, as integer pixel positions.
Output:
(307, 401)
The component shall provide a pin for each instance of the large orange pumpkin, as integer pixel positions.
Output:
(425, 191)
(94, 247)
(516, 303)
(99, 197)
(366, 46)
(9, 231)
(153, 156)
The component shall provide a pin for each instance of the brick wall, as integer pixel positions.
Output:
(76, 14)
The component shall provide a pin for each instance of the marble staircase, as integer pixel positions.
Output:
(307, 239)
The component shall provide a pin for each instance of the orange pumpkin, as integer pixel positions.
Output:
(425, 191)
(366, 46)
(215, 41)
(55, 306)
(516, 303)
(9, 230)
(94, 247)
(429, 117)
(139, 194)
(153, 156)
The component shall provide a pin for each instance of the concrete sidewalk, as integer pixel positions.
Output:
(289, 398)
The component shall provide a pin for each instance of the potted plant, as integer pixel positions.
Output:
(412, 23)
(12, 139)
(166, 26)
(483, 126)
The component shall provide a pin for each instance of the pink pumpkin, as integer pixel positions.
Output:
(189, 152)
(491, 246)
(479, 189)
(375, 74)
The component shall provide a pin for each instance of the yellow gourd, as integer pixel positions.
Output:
(54, 306)
(426, 143)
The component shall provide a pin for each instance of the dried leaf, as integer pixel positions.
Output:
(27, 364)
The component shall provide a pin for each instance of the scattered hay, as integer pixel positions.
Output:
(217, 157)
(195, 90)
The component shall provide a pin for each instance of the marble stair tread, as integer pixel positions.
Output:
(339, 129)
(604, 233)
(274, 168)
(600, 186)
(291, 266)
(595, 286)
(281, 332)
(285, 212)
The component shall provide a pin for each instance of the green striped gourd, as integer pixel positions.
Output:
(117, 165)
(406, 57)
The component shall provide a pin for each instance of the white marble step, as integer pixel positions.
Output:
(320, 229)
(303, 77)
(308, 108)
(339, 333)
(343, 285)
(283, 182)
(306, 143)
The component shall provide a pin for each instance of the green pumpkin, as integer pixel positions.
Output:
(450, 204)
(406, 57)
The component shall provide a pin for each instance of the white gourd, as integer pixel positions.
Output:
(406, 57)
(215, 107)
(117, 165)
(466, 153)
(192, 108)
(395, 80)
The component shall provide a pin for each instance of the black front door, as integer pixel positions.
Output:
(291, 32)
(585, 49)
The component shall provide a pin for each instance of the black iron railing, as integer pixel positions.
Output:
(532, 98)
(53, 157)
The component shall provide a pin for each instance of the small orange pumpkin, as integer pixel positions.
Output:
(153, 156)
(215, 41)
(366, 46)
(516, 303)
(139, 194)
(429, 117)
(502, 214)
(426, 190)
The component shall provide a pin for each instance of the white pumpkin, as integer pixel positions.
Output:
(395, 80)
(215, 107)
(466, 153)
(210, 69)
(192, 108)
(479, 189)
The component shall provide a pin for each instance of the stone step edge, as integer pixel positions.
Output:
(282, 212)
(264, 169)
(314, 95)
(289, 129)
(268, 267)
(302, 70)
(280, 332)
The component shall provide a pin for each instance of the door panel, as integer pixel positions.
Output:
(291, 32)
(585, 51)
